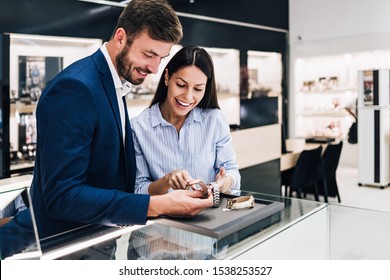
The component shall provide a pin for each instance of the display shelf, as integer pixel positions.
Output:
(336, 91)
(323, 86)
(323, 114)
(22, 108)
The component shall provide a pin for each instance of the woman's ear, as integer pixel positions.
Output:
(166, 75)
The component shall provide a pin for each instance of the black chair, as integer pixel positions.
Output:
(302, 178)
(327, 171)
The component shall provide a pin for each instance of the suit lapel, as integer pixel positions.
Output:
(109, 86)
(130, 154)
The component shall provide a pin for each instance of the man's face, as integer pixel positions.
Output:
(141, 58)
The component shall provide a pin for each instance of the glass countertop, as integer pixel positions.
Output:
(157, 240)
(300, 230)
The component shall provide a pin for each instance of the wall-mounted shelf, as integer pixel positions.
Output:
(323, 114)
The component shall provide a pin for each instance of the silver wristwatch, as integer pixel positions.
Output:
(203, 187)
(216, 194)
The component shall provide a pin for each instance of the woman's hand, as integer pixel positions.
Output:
(178, 179)
(224, 180)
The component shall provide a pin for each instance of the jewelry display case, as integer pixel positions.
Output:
(159, 240)
(29, 62)
(302, 230)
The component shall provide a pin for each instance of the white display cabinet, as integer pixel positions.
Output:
(227, 77)
(265, 73)
(323, 86)
(374, 127)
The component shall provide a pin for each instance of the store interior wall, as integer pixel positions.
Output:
(328, 20)
(72, 18)
(90, 20)
(321, 28)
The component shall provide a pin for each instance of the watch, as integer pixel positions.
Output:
(203, 187)
(241, 202)
(216, 194)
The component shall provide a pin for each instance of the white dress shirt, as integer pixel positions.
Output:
(122, 87)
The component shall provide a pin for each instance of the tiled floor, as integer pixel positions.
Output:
(368, 197)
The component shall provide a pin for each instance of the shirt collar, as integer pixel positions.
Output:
(121, 86)
(157, 118)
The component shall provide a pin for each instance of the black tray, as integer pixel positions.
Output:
(216, 223)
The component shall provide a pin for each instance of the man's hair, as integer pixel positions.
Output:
(155, 16)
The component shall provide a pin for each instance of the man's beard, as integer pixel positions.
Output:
(124, 67)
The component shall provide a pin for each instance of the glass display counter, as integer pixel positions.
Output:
(157, 240)
(301, 230)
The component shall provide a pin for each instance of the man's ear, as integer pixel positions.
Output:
(120, 38)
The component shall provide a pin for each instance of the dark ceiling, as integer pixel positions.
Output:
(83, 19)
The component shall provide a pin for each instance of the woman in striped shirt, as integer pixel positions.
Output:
(183, 135)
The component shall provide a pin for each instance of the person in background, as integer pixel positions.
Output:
(85, 165)
(188, 132)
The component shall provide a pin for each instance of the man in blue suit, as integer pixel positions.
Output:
(85, 165)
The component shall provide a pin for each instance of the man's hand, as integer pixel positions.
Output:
(179, 203)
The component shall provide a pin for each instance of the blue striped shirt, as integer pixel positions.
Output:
(201, 147)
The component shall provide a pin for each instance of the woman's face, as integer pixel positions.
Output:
(186, 88)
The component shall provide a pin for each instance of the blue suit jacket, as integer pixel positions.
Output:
(84, 174)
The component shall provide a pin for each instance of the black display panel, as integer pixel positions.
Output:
(258, 111)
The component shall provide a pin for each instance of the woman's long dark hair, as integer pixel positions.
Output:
(190, 56)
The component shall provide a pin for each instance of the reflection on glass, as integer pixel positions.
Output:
(160, 242)
(18, 233)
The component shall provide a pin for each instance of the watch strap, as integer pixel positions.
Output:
(241, 202)
(216, 194)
